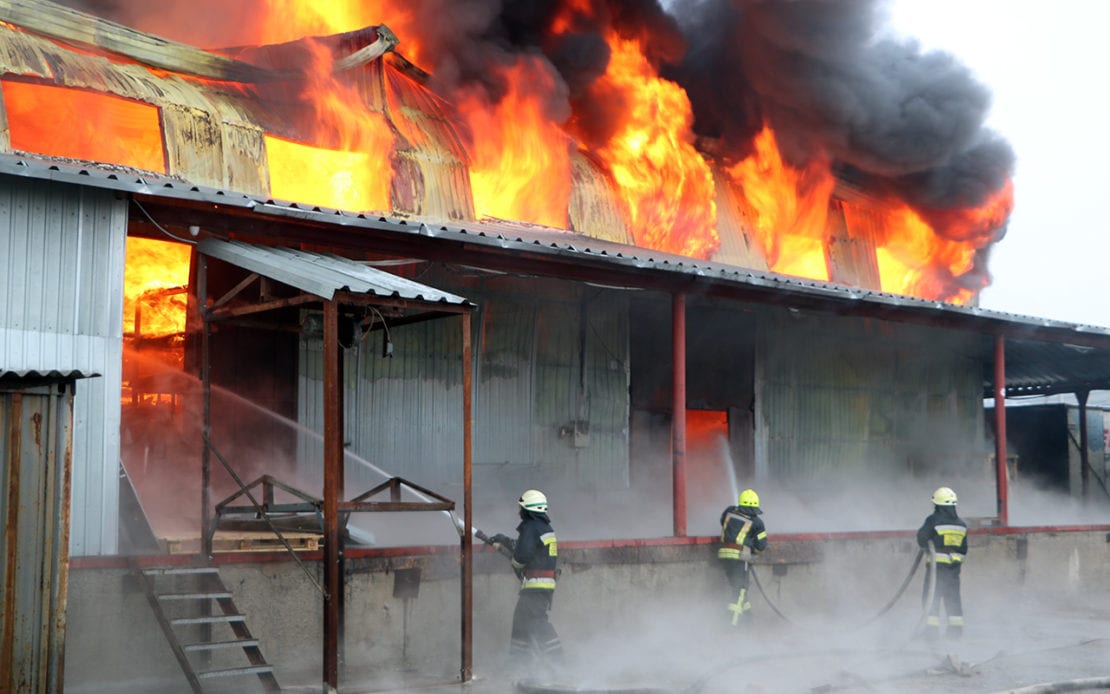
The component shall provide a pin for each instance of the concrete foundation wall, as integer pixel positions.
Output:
(114, 642)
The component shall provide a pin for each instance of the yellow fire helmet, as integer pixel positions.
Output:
(944, 496)
(749, 499)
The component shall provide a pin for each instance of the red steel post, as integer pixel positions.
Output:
(467, 578)
(1002, 479)
(678, 410)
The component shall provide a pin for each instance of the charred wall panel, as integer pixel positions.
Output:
(61, 309)
(739, 244)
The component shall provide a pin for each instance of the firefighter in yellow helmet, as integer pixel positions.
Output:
(742, 535)
(535, 552)
(948, 533)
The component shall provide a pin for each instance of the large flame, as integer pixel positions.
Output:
(664, 181)
(352, 170)
(338, 151)
(790, 207)
(520, 158)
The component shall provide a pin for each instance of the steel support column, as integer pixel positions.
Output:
(467, 540)
(678, 411)
(206, 405)
(1084, 447)
(1001, 475)
(333, 462)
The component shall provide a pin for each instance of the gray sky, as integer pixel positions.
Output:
(1046, 64)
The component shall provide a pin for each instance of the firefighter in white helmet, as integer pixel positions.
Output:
(535, 552)
(742, 535)
(948, 534)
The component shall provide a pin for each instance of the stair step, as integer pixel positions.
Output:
(193, 596)
(217, 645)
(180, 570)
(212, 619)
(235, 671)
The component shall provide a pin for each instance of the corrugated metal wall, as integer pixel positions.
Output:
(34, 469)
(61, 309)
(533, 383)
(859, 396)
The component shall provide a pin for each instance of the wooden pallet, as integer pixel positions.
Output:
(244, 541)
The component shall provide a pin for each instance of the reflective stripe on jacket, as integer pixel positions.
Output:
(536, 552)
(741, 535)
(948, 533)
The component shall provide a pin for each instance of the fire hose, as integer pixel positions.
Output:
(461, 529)
(929, 592)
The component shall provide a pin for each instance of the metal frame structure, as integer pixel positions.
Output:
(216, 309)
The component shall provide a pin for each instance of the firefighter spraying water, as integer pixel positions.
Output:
(742, 535)
(535, 553)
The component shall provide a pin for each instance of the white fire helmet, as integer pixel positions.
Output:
(533, 500)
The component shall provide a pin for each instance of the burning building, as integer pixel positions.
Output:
(740, 245)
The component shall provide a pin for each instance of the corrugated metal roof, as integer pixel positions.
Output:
(43, 375)
(1030, 370)
(320, 274)
(520, 237)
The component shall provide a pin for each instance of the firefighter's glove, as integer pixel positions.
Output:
(503, 540)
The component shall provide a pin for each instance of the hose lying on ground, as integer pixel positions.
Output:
(886, 608)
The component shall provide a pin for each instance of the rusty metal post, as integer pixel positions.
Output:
(333, 461)
(1001, 474)
(467, 540)
(678, 410)
(1084, 446)
(206, 396)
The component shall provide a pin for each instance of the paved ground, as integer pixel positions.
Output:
(1012, 641)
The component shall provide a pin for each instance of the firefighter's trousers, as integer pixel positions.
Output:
(948, 592)
(738, 573)
(532, 632)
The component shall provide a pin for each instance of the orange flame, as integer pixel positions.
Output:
(790, 207)
(520, 158)
(76, 124)
(665, 181)
(356, 173)
(153, 265)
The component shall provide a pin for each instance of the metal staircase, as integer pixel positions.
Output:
(208, 635)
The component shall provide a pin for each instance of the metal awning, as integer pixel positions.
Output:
(1043, 368)
(322, 274)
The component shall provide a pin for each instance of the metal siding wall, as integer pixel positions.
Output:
(601, 462)
(61, 308)
(856, 397)
(406, 414)
(34, 467)
(505, 381)
(403, 413)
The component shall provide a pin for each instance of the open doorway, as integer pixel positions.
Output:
(710, 470)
